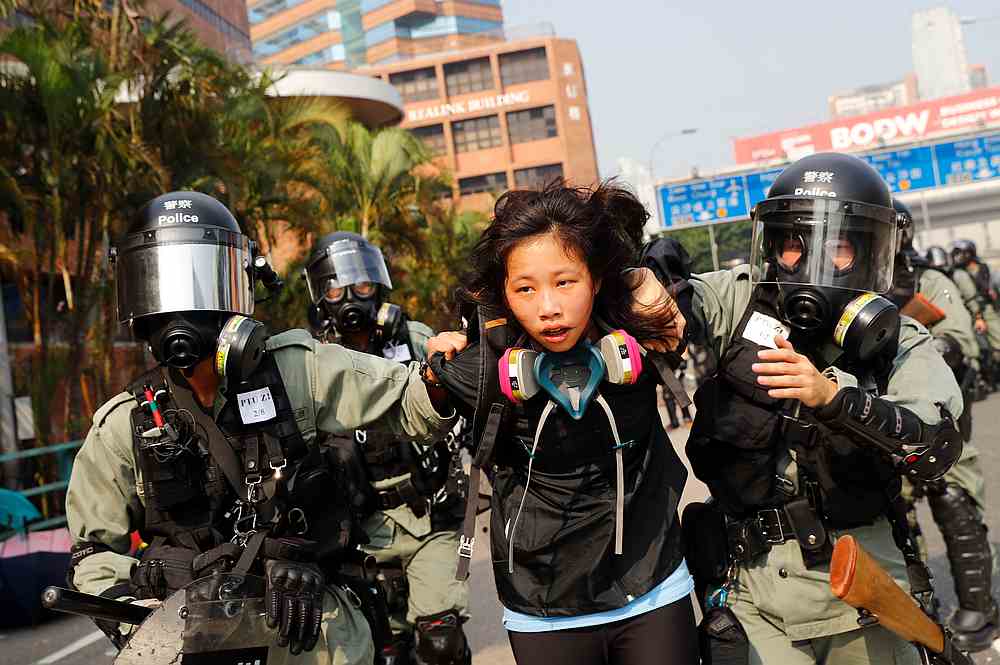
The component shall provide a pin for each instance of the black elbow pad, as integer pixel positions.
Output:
(937, 454)
(924, 452)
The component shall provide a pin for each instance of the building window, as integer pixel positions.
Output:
(537, 176)
(468, 76)
(491, 182)
(416, 85)
(524, 66)
(332, 53)
(433, 138)
(532, 124)
(265, 10)
(477, 134)
(305, 29)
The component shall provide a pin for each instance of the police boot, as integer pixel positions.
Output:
(440, 640)
(975, 623)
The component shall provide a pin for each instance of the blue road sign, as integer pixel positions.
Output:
(967, 161)
(702, 201)
(905, 170)
(758, 184)
(729, 198)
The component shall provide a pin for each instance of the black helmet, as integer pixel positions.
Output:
(938, 258)
(826, 235)
(348, 280)
(183, 268)
(962, 252)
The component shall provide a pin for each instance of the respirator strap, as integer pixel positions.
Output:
(549, 406)
(619, 476)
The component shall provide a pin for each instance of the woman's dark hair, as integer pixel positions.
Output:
(602, 226)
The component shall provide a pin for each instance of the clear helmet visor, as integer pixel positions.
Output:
(346, 263)
(824, 243)
(183, 270)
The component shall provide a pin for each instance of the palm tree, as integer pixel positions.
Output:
(426, 280)
(374, 179)
(65, 154)
(267, 162)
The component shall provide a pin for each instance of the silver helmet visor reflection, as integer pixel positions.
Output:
(182, 277)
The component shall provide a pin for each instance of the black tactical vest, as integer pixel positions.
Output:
(741, 443)
(421, 468)
(192, 490)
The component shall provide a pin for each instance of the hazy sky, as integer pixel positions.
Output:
(732, 68)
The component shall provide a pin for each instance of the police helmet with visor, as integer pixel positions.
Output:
(824, 236)
(347, 279)
(938, 258)
(182, 269)
(963, 252)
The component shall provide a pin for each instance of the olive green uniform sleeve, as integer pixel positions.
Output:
(967, 290)
(957, 323)
(419, 334)
(102, 502)
(719, 301)
(920, 379)
(351, 390)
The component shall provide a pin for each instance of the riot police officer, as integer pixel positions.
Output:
(211, 455)
(973, 279)
(417, 491)
(956, 500)
(821, 400)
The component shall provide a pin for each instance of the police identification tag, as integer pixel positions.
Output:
(400, 353)
(256, 406)
(762, 328)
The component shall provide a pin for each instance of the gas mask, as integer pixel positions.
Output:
(825, 259)
(181, 339)
(352, 312)
(347, 278)
(570, 378)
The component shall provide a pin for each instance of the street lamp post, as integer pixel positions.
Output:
(652, 175)
(659, 142)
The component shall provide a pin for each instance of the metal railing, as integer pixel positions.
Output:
(61, 449)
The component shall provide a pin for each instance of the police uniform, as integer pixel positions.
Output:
(791, 479)
(975, 303)
(398, 535)
(415, 492)
(778, 599)
(241, 486)
(957, 500)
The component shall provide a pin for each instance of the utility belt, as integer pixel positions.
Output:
(797, 519)
(400, 494)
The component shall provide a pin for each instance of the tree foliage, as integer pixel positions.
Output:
(103, 107)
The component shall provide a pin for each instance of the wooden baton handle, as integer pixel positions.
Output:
(858, 580)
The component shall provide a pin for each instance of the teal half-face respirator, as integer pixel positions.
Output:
(571, 380)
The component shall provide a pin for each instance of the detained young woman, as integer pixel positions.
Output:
(585, 536)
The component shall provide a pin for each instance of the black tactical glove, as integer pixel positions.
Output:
(295, 603)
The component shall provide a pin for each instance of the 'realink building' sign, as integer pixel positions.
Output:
(469, 106)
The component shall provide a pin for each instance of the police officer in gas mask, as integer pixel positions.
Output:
(956, 500)
(416, 491)
(211, 455)
(824, 396)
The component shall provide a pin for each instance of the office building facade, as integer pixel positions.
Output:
(220, 24)
(347, 34)
(939, 57)
(508, 115)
